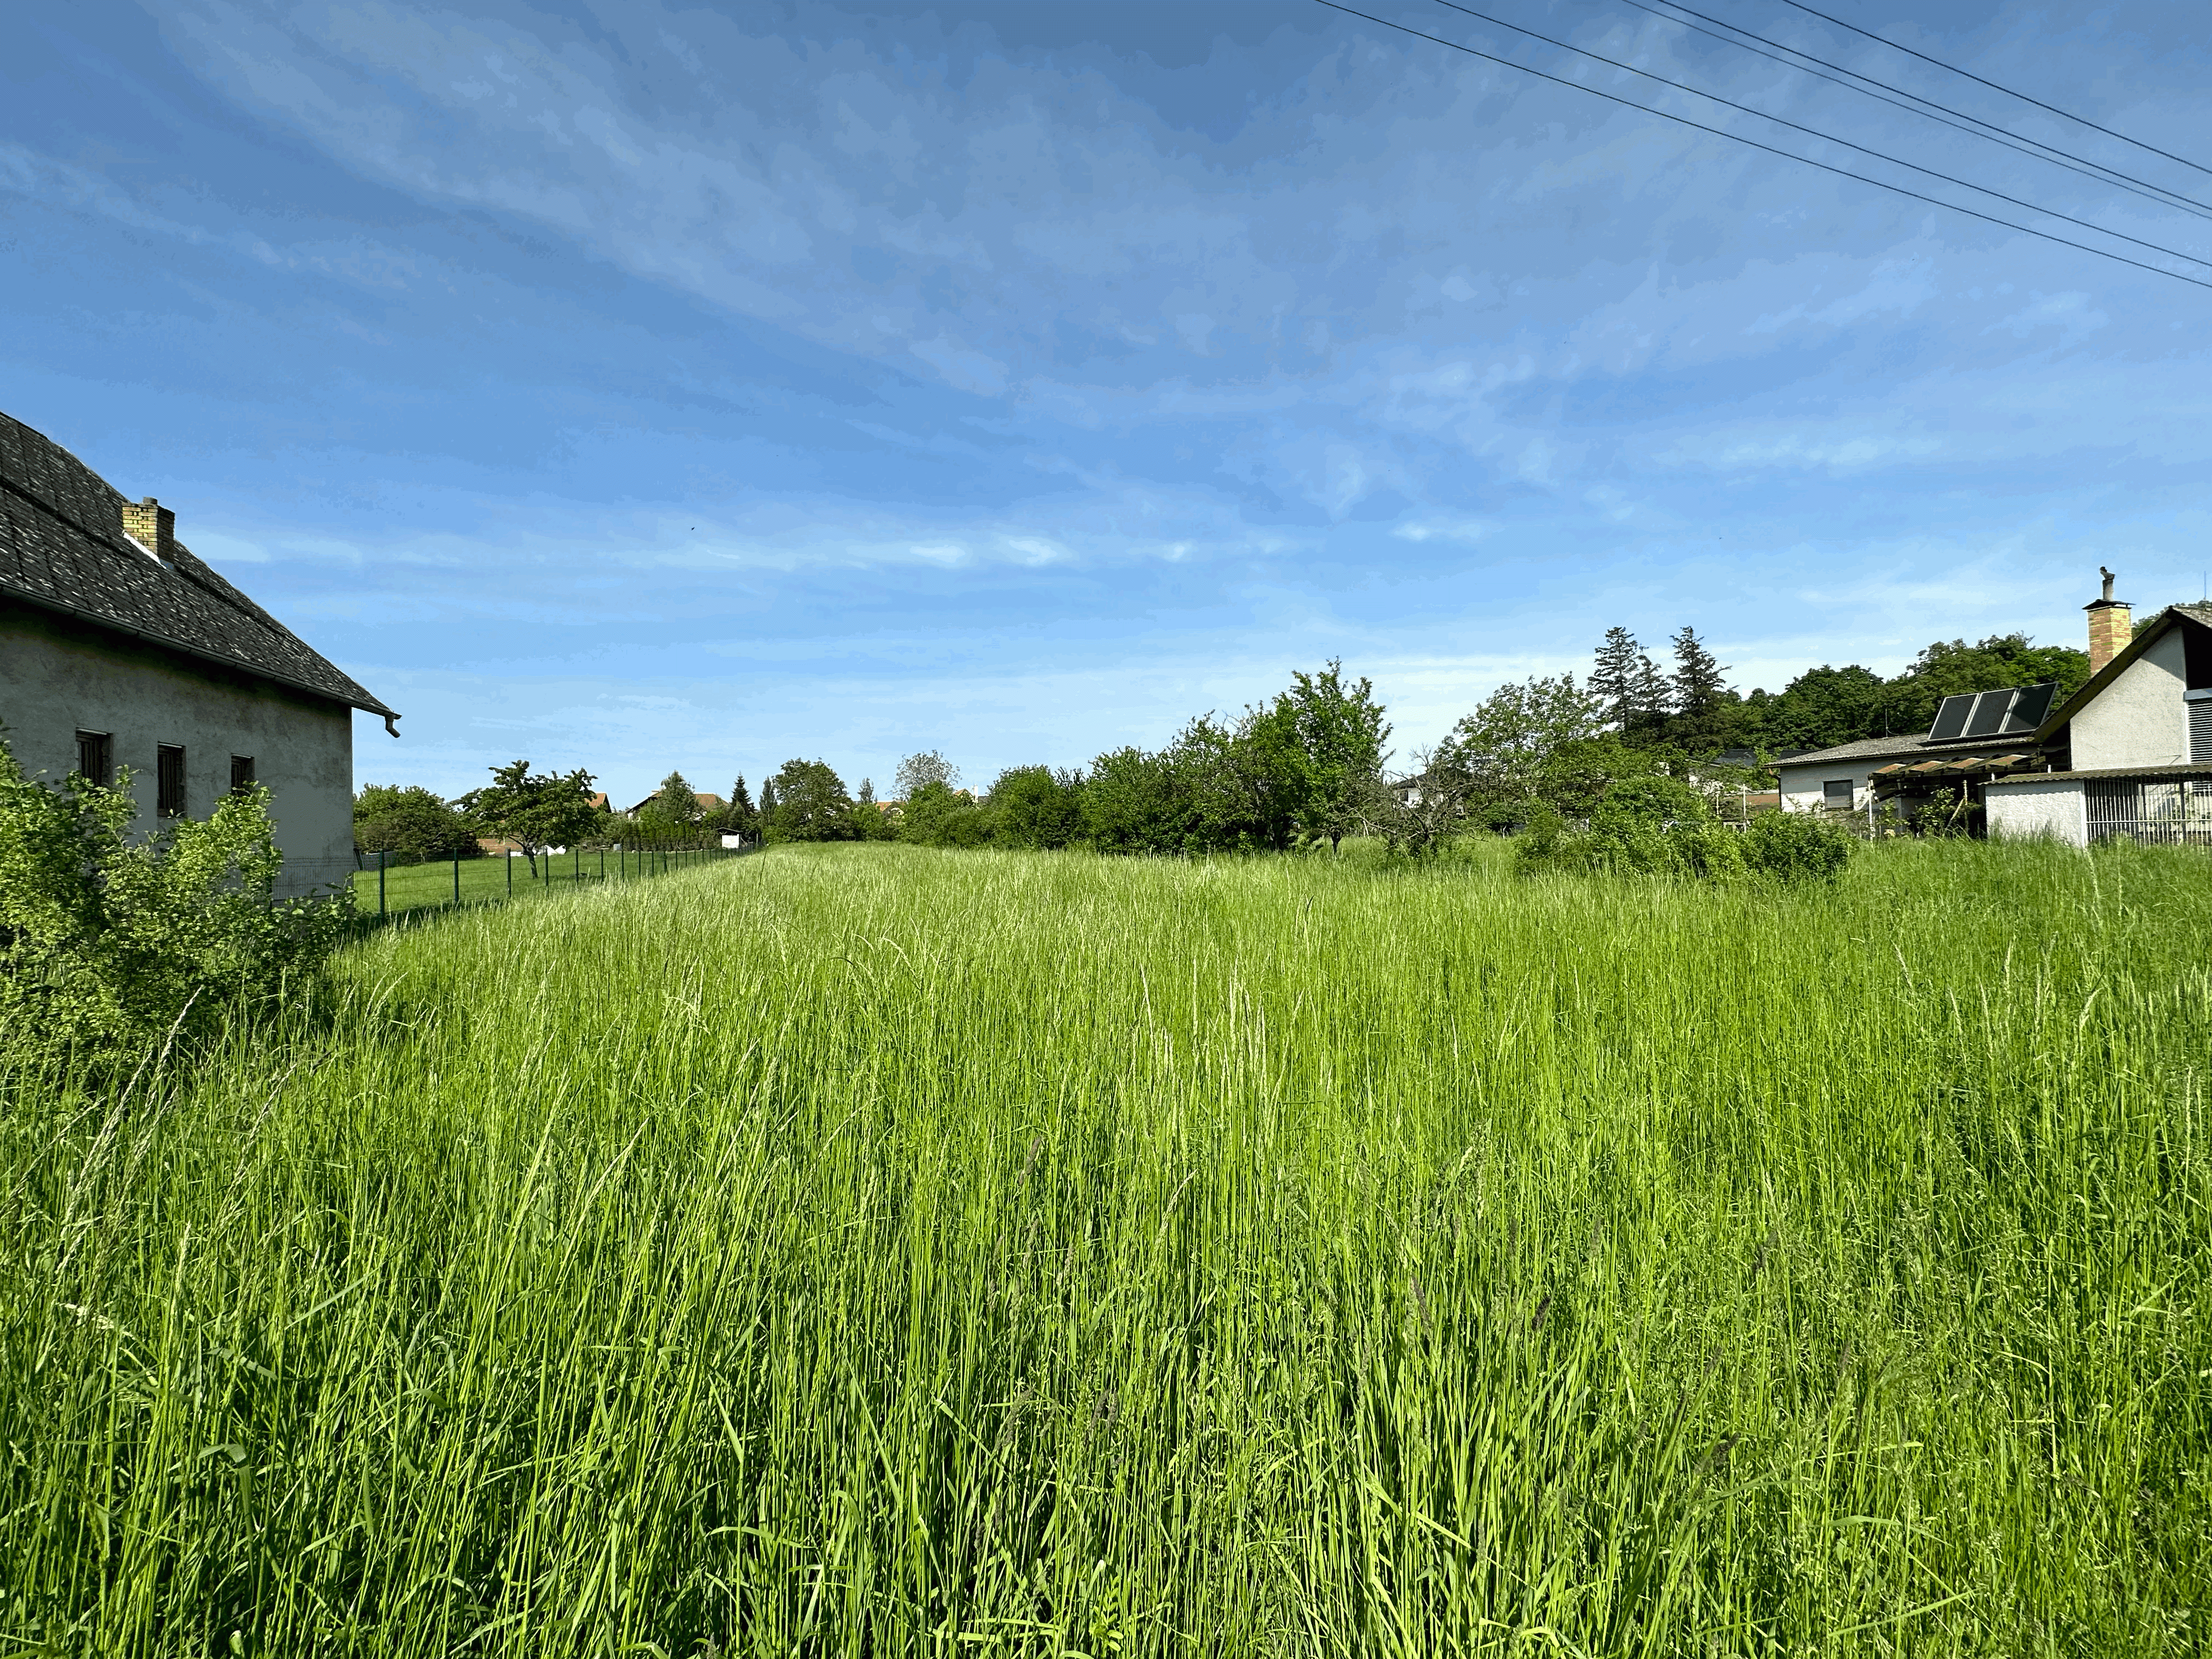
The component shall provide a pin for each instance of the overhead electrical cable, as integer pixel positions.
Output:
(1972, 126)
(1826, 137)
(1772, 150)
(2009, 92)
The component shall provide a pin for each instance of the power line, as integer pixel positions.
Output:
(1829, 138)
(2068, 114)
(1787, 155)
(1950, 118)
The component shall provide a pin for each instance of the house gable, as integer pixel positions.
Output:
(2134, 711)
(71, 544)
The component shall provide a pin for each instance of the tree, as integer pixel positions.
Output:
(1825, 706)
(1947, 669)
(673, 813)
(1137, 802)
(810, 803)
(1034, 808)
(918, 771)
(870, 821)
(740, 817)
(938, 815)
(1509, 745)
(1616, 680)
(1340, 732)
(409, 822)
(534, 809)
(1700, 680)
(1651, 700)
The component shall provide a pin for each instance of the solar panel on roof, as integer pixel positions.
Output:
(1951, 717)
(2030, 706)
(1989, 710)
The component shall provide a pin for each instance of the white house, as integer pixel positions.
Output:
(119, 648)
(2129, 753)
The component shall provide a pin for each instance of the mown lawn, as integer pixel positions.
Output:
(496, 880)
(865, 1250)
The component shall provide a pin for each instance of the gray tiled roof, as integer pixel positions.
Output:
(62, 547)
(1898, 748)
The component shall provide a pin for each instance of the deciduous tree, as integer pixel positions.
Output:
(534, 809)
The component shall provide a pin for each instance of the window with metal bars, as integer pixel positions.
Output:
(169, 781)
(95, 757)
(242, 774)
(2200, 728)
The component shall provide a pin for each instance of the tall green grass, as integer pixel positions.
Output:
(865, 1250)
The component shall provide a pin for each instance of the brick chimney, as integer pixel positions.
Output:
(154, 527)
(2112, 625)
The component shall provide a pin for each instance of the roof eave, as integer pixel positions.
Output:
(368, 704)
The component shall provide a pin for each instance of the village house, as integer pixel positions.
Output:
(2129, 754)
(120, 649)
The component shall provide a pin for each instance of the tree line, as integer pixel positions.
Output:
(1689, 705)
(1305, 767)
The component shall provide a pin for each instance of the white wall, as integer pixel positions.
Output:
(2023, 809)
(1801, 790)
(2137, 719)
(58, 678)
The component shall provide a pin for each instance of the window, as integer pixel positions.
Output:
(2199, 706)
(242, 774)
(95, 760)
(169, 781)
(1837, 792)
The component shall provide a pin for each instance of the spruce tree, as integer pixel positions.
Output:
(1613, 680)
(1700, 678)
(1651, 699)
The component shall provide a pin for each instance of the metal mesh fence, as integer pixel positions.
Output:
(382, 886)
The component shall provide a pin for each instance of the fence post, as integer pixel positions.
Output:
(510, 874)
(380, 856)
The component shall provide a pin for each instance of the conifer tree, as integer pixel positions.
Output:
(1700, 678)
(1613, 680)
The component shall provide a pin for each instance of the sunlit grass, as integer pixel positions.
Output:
(864, 1249)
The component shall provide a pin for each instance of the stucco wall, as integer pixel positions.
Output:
(2026, 808)
(2137, 719)
(58, 678)
(1801, 790)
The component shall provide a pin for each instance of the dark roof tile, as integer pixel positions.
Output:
(62, 546)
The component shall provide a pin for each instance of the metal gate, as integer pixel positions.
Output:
(2156, 812)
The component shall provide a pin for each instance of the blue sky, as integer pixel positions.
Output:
(643, 387)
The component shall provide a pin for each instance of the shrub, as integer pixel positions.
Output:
(938, 815)
(410, 825)
(1797, 847)
(108, 943)
(1661, 826)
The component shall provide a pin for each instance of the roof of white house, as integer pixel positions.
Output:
(64, 547)
(1920, 744)
(2148, 635)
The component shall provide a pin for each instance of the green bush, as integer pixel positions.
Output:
(1661, 826)
(409, 824)
(1797, 847)
(108, 943)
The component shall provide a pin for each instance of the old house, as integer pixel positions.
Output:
(120, 649)
(2129, 753)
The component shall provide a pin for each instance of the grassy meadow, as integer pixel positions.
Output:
(863, 1250)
